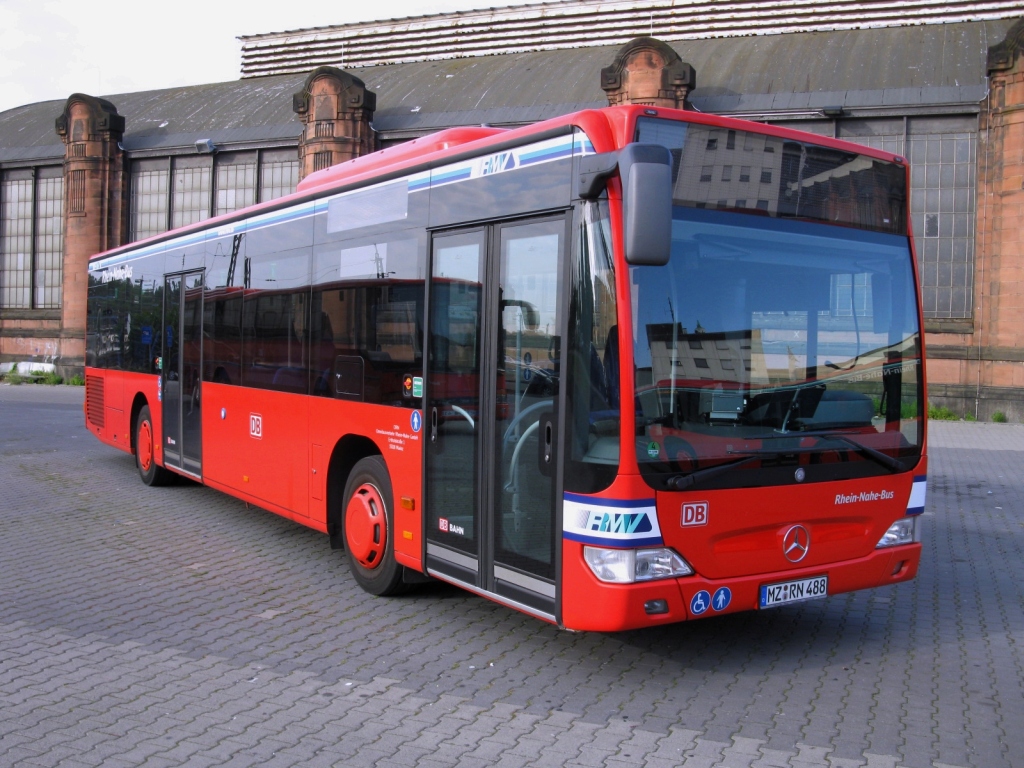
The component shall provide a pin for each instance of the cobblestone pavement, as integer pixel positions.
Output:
(175, 626)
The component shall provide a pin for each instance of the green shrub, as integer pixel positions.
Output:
(51, 378)
(908, 410)
(941, 413)
(13, 378)
(969, 417)
(999, 417)
(76, 381)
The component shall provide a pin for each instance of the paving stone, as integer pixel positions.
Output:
(146, 626)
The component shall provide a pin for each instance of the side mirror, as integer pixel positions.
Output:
(646, 174)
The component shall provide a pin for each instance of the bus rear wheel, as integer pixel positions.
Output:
(368, 523)
(145, 455)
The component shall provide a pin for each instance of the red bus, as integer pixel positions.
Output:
(625, 367)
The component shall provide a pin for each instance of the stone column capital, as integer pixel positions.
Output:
(335, 108)
(94, 191)
(88, 118)
(648, 71)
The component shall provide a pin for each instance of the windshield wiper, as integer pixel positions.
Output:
(679, 482)
(883, 459)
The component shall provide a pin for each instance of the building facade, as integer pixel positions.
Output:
(942, 88)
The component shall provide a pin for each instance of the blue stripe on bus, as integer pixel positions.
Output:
(195, 238)
(457, 174)
(624, 503)
(583, 143)
(605, 541)
(279, 217)
(461, 172)
(548, 153)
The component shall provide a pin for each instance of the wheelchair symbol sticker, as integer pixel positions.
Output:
(700, 603)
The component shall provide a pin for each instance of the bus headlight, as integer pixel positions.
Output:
(903, 531)
(626, 566)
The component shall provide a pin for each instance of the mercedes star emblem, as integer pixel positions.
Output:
(795, 543)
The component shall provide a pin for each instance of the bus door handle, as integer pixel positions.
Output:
(546, 441)
(433, 424)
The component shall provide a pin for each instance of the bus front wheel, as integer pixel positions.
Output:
(145, 455)
(368, 523)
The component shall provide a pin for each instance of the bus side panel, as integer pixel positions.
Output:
(120, 389)
(254, 441)
(102, 420)
(397, 433)
(116, 422)
(147, 386)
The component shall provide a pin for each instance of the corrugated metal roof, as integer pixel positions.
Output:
(255, 111)
(572, 23)
(28, 133)
(930, 68)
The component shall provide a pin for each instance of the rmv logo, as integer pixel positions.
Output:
(695, 513)
(255, 425)
(503, 161)
(626, 522)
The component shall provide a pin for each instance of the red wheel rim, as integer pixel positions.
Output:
(145, 446)
(366, 526)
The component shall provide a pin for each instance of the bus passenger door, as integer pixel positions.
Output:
(526, 314)
(492, 408)
(182, 371)
(452, 405)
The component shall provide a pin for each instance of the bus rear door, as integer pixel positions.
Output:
(182, 371)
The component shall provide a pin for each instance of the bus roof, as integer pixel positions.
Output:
(608, 129)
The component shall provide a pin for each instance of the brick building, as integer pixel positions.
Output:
(941, 83)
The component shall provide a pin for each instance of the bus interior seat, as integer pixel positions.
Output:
(290, 379)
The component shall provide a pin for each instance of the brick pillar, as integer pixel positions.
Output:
(649, 72)
(995, 360)
(94, 206)
(335, 109)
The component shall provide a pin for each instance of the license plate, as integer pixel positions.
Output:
(793, 591)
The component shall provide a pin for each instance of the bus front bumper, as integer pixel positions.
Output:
(591, 605)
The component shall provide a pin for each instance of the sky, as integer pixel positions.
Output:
(50, 49)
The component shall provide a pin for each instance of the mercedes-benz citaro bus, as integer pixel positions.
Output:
(625, 367)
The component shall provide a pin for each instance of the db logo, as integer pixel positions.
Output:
(443, 524)
(255, 425)
(695, 513)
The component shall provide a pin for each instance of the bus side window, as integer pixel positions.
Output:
(368, 293)
(275, 343)
(592, 456)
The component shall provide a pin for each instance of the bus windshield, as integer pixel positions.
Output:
(784, 349)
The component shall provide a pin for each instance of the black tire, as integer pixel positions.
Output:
(151, 473)
(368, 525)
